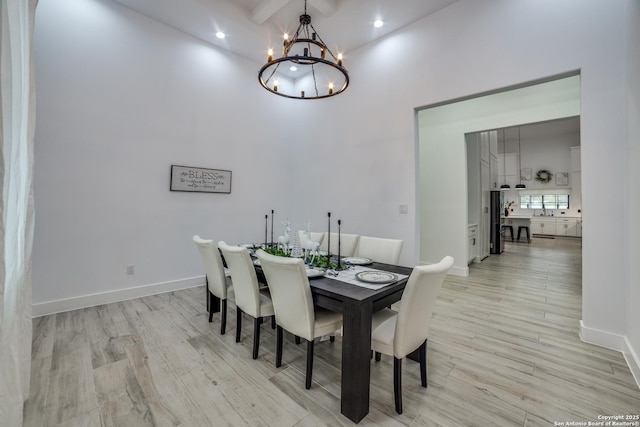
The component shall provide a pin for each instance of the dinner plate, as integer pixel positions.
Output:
(355, 260)
(377, 277)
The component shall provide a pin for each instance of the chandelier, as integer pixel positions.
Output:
(307, 69)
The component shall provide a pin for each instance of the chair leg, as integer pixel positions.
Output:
(279, 346)
(223, 317)
(397, 383)
(208, 296)
(210, 306)
(256, 336)
(332, 338)
(298, 341)
(378, 356)
(238, 323)
(309, 364)
(423, 363)
(273, 321)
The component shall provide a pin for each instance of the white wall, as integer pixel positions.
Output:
(120, 99)
(442, 133)
(469, 48)
(549, 151)
(632, 344)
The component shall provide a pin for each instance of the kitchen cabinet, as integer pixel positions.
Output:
(493, 168)
(493, 143)
(472, 247)
(567, 227)
(543, 225)
(557, 226)
(484, 146)
(483, 242)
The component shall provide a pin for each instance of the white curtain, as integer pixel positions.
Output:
(17, 120)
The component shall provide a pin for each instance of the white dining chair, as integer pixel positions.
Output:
(348, 243)
(386, 251)
(218, 284)
(400, 333)
(249, 297)
(293, 305)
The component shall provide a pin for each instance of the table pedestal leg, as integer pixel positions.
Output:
(356, 369)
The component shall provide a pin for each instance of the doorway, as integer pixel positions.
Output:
(512, 157)
(442, 164)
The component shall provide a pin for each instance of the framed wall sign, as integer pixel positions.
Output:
(562, 178)
(200, 180)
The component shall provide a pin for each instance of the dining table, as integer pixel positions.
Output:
(357, 305)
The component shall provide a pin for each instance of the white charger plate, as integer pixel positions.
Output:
(377, 277)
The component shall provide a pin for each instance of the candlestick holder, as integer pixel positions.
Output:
(339, 267)
(266, 227)
(272, 211)
(329, 235)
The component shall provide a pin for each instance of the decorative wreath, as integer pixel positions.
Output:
(543, 176)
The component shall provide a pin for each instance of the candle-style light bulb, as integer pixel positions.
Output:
(275, 85)
(286, 37)
(331, 88)
(270, 55)
(340, 59)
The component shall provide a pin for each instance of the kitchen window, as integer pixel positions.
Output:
(544, 201)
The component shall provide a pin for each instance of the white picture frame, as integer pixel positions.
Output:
(562, 178)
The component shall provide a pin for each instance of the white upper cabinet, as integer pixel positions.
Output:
(484, 146)
(493, 143)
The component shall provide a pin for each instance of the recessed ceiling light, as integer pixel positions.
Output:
(220, 35)
(293, 68)
(378, 23)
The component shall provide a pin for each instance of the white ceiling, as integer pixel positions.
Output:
(253, 26)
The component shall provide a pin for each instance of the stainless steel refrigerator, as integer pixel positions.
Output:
(497, 201)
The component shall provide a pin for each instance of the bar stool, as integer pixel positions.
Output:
(525, 228)
(510, 227)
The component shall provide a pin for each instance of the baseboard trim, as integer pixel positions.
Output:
(601, 338)
(84, 301)
(633, 360)
(614, 342)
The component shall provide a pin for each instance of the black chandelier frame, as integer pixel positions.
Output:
(303, 36)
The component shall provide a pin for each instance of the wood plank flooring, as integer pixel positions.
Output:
(504, 351)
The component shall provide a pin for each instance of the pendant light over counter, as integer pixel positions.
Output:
(505, 186)
(520, 185)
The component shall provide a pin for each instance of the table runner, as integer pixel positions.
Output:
(349, 276)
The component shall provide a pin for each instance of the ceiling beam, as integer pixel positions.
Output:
(326, 7)
(266, 9)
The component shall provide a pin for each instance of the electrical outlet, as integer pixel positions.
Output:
(131, 270)
(404, 209)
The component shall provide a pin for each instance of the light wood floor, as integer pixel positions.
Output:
(504, 351)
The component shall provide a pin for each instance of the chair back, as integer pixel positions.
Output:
(417, 304)
(348, 243)
(377, 249)
(213, 266)
(243, 275)
(290, 293)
